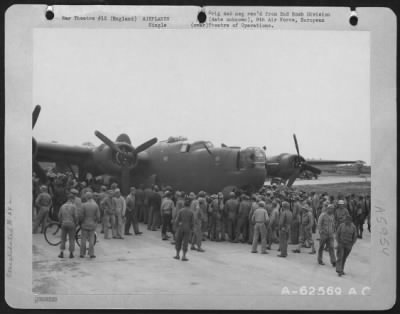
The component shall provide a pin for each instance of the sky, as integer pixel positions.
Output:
(238, 87)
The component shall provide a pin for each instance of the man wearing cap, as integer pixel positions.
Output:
(204, 214)
(340, 213)
(260, 220)
(119, 205)
(67, 216)
(43, 202)
(108, 209)
(197, 236)
(295, 221)
(326, 224)
(367, 210)
(346, 236)
(89, 219)
(243, 220)
(217, 212)
(154, 202)
(306, 223)
(184, 223)
(231, 210)
(167, 206)
(274, 224)
(131, 214)
(285, 221)
(180, 203)
(254, 206)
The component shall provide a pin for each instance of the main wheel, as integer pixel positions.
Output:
(78, 236)
(52, 233)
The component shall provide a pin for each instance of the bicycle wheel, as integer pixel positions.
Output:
(78, 236)
(52, 233)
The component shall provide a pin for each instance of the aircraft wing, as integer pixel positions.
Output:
(51, 152)
(330, 162)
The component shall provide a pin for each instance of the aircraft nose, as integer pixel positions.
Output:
(253, 157)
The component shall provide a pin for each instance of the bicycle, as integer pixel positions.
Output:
(52, 234)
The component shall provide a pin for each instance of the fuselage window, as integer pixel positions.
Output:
(185, 148)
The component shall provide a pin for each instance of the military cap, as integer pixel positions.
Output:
(261, 204)
(192, 195)
(117, 190)
(89, 195)
(213, 196)
(330, 206)
(74, 191)
(232, 194)
(285, 205)
(202, 194)
(341, 202)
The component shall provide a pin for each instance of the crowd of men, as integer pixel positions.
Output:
(273, 215)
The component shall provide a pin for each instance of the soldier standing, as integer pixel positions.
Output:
(167, 206)
(90, 217)
(68, 219)
(326, 226)
(184, 223)
(341, 213)
(254, 206)
(43, 202)
(295, 221)
(346, 237)
(243, 220)
(306, 224)
(197, 234)
(260, 220)
(285, 221)
(107, 206)
(119, 205)
(231, 210)
(131, 213)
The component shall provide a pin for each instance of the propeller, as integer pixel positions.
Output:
(300, 164)
(126, 155)
(35, 165)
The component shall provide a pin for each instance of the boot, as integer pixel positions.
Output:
(61, 255)
(313, 250)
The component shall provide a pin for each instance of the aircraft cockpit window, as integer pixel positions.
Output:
(185, 148)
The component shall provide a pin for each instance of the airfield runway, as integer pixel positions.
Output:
(143, 265)
(332, 179)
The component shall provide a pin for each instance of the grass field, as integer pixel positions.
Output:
(335, 188)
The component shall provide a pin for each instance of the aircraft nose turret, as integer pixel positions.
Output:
(253, 157)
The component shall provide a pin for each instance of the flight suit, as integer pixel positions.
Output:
(131, 214)
(119, 205)
(326, 225)
(108, 216)
(67, 218)
(294, 231)
(231, 210)
(346, 235)
(89, 219)
(197, 236)
(43, 203)
(243, 220)
(285, 222)
(260, 220)
(184, 223)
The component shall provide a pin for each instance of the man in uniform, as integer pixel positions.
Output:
(89, 219)
(147, 216)
(167, 206)
(217, 211)
(359, 216)
(204, 214)
(340, 213)
(154, 202)
(315, 206)
(43, 202)
(295, 221)
(274, 223)
(108, 209)
(131, 214)
(184, 223)
(285, 221)
(260, 220)
(231, 210)
(180, 203)
(306, 223)
(243, 219)
(254, 206)
(197, 236)
(67, 216)
(367, 210)
(119, 205)
(326, 225)
(346, 235)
